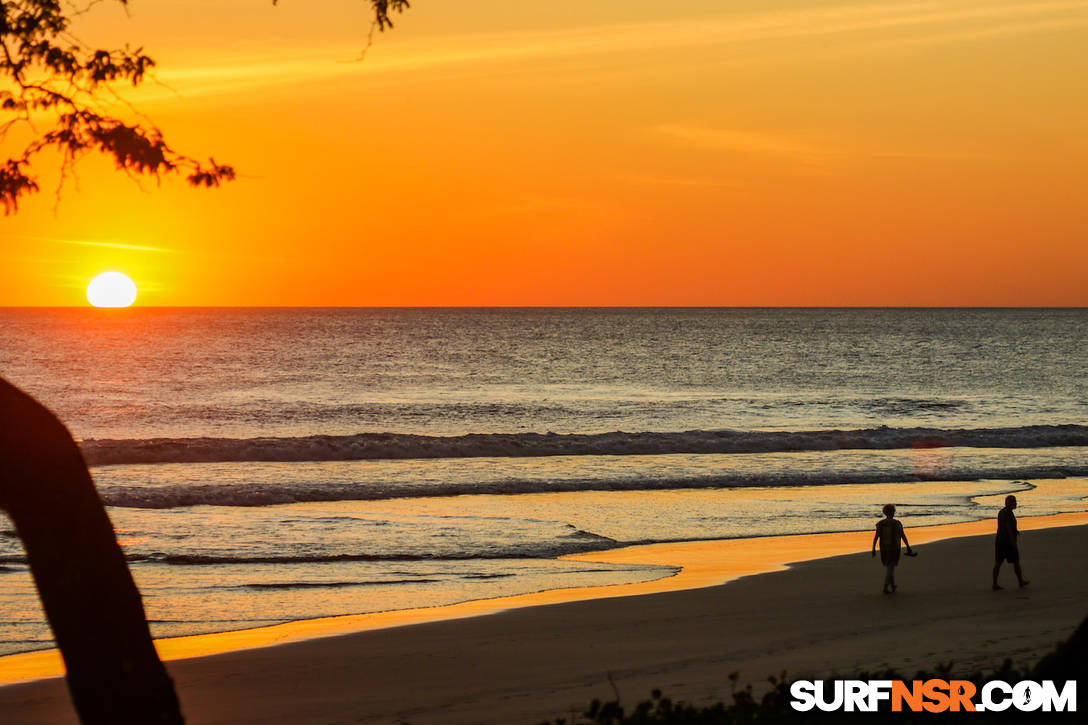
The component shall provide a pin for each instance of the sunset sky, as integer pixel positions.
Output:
(589, 152)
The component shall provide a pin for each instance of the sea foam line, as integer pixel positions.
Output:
(245, 494)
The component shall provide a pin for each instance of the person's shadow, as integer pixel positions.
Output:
(114, 673)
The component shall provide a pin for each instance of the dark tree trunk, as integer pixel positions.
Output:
(114, 674)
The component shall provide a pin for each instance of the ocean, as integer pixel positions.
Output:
(266, 465)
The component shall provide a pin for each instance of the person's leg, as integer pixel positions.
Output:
(889, 578)
(997, 570)
(1019, 574)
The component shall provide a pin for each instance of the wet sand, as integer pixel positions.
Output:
(540, 655)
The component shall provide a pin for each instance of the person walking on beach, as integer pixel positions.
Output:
(888, 533)
(1005, 545)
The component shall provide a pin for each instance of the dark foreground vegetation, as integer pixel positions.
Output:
(1068, 662)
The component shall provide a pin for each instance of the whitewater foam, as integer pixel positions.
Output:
(240, 494)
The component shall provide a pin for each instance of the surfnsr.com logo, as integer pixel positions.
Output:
(933, 696)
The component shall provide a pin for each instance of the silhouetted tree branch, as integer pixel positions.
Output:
(45, 71)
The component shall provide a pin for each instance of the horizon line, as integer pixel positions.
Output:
(547, 307)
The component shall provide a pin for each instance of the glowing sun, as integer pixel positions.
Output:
(111, 289)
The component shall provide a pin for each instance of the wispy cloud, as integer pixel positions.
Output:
(109, 245)
(909, 22)
(728, 139)
(795, 147)
(687, 182)
(991, 31)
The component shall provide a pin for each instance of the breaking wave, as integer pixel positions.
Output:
(373, 446)
(241, 494)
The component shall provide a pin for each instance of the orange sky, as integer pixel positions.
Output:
(614, 152)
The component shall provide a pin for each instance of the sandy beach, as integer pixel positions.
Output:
(540, 656)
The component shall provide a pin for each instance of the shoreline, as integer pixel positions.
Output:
(534, 664)
(703, 564)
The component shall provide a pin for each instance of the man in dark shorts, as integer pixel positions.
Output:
(889, 532)
(1005, 546)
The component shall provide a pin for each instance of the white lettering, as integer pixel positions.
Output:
(855, 696)
(990, 702)
(803, 697)
(994, 696)
(1027, 696)
(1065, 701)
(879, 690)
(835, 703)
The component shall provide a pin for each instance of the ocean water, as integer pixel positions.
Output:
(262, 465)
